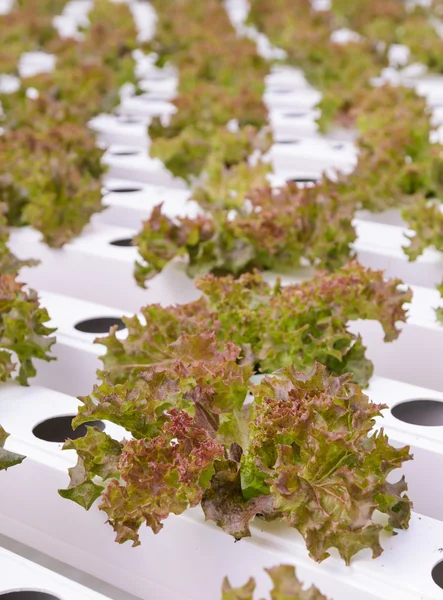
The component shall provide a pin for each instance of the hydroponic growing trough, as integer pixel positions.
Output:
(191, 129)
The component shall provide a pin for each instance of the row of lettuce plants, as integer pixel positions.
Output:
(398, 165)
(217, 141)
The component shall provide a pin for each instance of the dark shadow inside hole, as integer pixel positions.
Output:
(338, 146)
(125, 190)
(288, 142)
(294, 115)
(59, 429)
(428, 413)
(303, 180)
(124, 243)
(129, 120)
(99, 325)
(282, 91)
(27, 595)
(437, 574)
(125, 152)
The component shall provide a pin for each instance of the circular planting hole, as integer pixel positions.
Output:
(124, 243)
(338, 146)
(294, 115)
(420, 412)
(99, 325)
(128, 152)
(437, 574)
(282, 91)
(59, 429)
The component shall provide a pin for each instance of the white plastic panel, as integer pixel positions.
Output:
(20, 575)
(93, 269)
(77, 357)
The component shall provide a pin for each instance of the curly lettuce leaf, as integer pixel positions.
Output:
(303, 451)
(148, 343)
(312, 449)
(273, 229)
(9, 264)
(7, 458)
(425, 218)
(225, 504)
(286, 586)
(162, 475)
(312, 315)
(23, 333)
(200, 375)
(50, 163)
(98, 456)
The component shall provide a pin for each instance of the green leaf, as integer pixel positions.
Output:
(246, 592)
(224, 502)
(286, 586)
(84, 494)
(305, 322)
(425, 218)
(277, 229)
(23, 333)
(7, 459)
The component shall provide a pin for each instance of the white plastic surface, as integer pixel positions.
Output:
(131, 202)
(18, 574)
(133, 163)
(422, 473)
(92, 269)
(121, 130)
(6, 6)
(74, 371)
(412, 357)
(34, 63)
(380, 246)
(9, 84)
